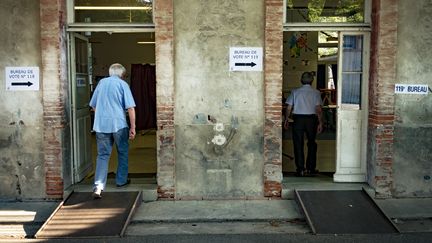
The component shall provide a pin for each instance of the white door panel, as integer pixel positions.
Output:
(352, 105)
(80, 66)
(350, 143)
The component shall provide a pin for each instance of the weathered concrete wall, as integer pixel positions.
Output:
(206, 93)
(413, 125)
(21, 124)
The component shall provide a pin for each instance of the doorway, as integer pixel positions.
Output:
(312, 51)
(136, 52)
(340, 64)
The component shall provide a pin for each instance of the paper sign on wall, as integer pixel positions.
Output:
(22, 78)
(411, 89)
(245, 59)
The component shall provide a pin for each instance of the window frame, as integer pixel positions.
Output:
(104, 27)
(365, 26)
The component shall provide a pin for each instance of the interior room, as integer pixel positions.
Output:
(312, 51)
(136, 52)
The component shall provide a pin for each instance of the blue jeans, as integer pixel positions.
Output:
(105, 142)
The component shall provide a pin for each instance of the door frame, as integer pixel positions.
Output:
(72, 32)
(365, 30)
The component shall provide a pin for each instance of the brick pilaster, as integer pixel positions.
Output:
(54, 81)
(273, 98)
(381, 95)
(164, 24)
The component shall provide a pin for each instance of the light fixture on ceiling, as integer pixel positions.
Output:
(111, 8)
(145, 42)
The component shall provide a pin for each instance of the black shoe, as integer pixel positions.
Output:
(127, 183)
(312, 172)
(299, 173)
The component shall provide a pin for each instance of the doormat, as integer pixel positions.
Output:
(81, 216)
(343, 212)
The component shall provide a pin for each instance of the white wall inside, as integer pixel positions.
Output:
(122, 48)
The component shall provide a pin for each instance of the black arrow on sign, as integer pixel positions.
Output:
(28, 84)
(245, 64)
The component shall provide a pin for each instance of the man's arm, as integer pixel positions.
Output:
(318, 109)
(132, 118)
(287, 115)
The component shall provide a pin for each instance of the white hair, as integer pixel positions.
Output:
(117, 69)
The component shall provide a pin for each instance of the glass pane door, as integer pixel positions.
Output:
(352, 70)
(352, 109)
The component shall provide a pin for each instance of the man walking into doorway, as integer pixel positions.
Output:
(111, 98)
(305, 104)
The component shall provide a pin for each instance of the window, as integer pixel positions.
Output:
(113, 11)
(325, 11)
(352, 69)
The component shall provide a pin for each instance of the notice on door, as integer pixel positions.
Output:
(245, 59)
(22, 78)
(411, 89)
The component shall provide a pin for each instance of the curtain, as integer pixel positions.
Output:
(321, 77)
(352, 69)
(335, 80)
(335, 74)
(143, 87)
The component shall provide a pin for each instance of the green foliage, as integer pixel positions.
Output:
(348, 11)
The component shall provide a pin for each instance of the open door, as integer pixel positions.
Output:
(80, 75)
(352, 104)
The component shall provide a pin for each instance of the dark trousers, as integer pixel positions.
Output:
(305, 124)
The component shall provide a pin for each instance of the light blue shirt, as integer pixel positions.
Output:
(304, 100)
(111, 98)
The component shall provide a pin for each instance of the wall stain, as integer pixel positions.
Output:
(215, 17)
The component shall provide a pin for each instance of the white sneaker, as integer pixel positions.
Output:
(97, 193)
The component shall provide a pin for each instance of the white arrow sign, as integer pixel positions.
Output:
(246, 58)
(22, 78)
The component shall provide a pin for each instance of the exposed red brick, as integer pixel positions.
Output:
(381, 95)
(164, 23)
(273, 98)
(272, 188)
(52, 22)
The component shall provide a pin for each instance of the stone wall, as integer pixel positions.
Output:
(207, 93)
(21, 112)
(413, 113)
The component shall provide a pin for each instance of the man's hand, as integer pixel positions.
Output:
(132, 133)
(320, 128)
(287, 115)
(286, 124)
(132, 118)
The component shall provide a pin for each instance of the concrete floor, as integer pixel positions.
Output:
(142, 153)
(143, 167)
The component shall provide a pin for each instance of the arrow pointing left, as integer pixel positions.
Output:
(28, 84)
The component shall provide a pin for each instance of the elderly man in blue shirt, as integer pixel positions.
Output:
(110, 101)
(306, 105)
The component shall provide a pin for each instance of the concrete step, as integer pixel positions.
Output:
(320, 182)
(147, 185)
(23, 219)
(217, 211)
